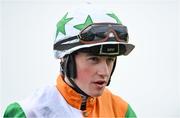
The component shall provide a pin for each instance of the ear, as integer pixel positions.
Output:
(70, 66)
(70, 72)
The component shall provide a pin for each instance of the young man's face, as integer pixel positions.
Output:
(93, 72)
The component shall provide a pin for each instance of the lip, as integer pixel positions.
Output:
(100, 83)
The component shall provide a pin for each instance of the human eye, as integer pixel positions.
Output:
(111, 59)
(93, 59)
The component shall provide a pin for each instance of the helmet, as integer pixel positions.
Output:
(76, 20)
(81, 29)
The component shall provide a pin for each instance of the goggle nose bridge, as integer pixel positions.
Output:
(112, 33)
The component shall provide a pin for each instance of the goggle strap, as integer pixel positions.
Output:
(59, 43)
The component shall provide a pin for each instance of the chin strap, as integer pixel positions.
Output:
(114, 65)
(70, 72)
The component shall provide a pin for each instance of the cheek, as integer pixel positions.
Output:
(85, 73)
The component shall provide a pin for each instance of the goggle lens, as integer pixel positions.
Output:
(103, 31)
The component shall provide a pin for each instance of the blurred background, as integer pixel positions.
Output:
(148, 78)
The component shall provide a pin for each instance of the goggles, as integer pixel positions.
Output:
(95, 33)
(100, 32)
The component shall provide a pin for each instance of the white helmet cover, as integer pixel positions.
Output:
(73, 22)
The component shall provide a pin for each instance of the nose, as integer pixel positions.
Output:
(103, 69)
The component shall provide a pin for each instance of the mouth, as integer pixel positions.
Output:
(100, 83)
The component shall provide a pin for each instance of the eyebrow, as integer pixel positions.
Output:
(91, 54)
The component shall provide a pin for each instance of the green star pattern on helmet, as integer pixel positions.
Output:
(115, 17)
(87, 22)
(61, 24)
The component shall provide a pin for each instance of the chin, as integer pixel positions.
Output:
(96, 95)
(96, 92)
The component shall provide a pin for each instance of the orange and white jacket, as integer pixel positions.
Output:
(62, 101)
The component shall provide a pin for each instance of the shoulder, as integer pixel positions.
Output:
(118, 104)
(114, 99)
(14, 110)
(130, 112)
(42, 100)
